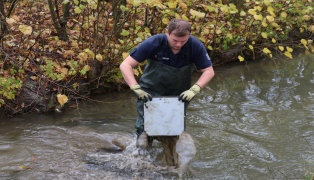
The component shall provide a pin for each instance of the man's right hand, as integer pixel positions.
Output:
(141, 94)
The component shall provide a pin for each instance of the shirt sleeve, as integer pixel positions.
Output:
(146, 49)
(200, 54)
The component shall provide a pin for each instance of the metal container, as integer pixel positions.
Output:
(164, 116)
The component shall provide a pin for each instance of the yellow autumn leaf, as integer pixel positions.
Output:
(229, 35)
(274, 24)
(258, 17)
(92, 4)
(311, 28)
(125, 55)
(253, 42)
(23, 167)
(136, 73)
(183, 6)
(197, 13)
(233, 9)
(140, 69)
(206, 30)
(172, 5)
(184, 17)
(304, 42)
(210, 48)
(259, 8)
(266, 2)
(271, 11)
(64, 71)
(242, 13)
(266, 51)
(34, 78)
(283, 14)
(77, 10)
(289, 49)
(90, 53)
(240, 58)
(252, 11)
(202, 38)
(270, 18)
(68, 53)
(10, 21)
(251, 47)
(62, 99)
(264, 35)
(26, 30)
(288, 54)
(311, 48)
(87, 67)
(177, 16)
(137, 2)
(273, 40)
(16, 18)
(99, 57)
(85, 25)
(281, 48)
(306, 18)
(224, 9)
(82, 56)
(165, 20)
(264, 24)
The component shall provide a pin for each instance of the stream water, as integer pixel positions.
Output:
(254, 121)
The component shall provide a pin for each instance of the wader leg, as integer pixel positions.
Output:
(139, 125)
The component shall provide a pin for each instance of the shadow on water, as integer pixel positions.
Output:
(253, 121)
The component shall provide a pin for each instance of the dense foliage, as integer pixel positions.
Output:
(54, 50)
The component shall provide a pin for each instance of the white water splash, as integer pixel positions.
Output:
(186, 152)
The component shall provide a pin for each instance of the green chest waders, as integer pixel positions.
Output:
(160, 79)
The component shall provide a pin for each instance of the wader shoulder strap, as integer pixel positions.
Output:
(160, 52)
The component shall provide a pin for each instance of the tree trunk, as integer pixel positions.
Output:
(59, 24)
(2, 20)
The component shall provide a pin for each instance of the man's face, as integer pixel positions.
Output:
(176, 42)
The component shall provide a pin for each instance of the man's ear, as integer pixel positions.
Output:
(167, 32)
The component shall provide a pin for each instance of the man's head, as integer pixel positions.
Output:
(178, 33)
(179, 27)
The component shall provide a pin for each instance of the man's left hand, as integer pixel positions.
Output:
(188, 95)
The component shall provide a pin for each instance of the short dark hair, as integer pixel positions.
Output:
(179, 27)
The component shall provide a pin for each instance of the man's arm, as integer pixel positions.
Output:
(203, 80)
(207, 75)
(126, 68)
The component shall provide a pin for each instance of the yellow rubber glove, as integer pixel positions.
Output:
(141, 94)
(188, 95)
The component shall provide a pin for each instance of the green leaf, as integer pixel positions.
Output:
(124, 33)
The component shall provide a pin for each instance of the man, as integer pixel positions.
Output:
(168, 72)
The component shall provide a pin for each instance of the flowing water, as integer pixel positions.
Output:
(254, 121)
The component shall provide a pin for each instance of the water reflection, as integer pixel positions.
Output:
(254, 121)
